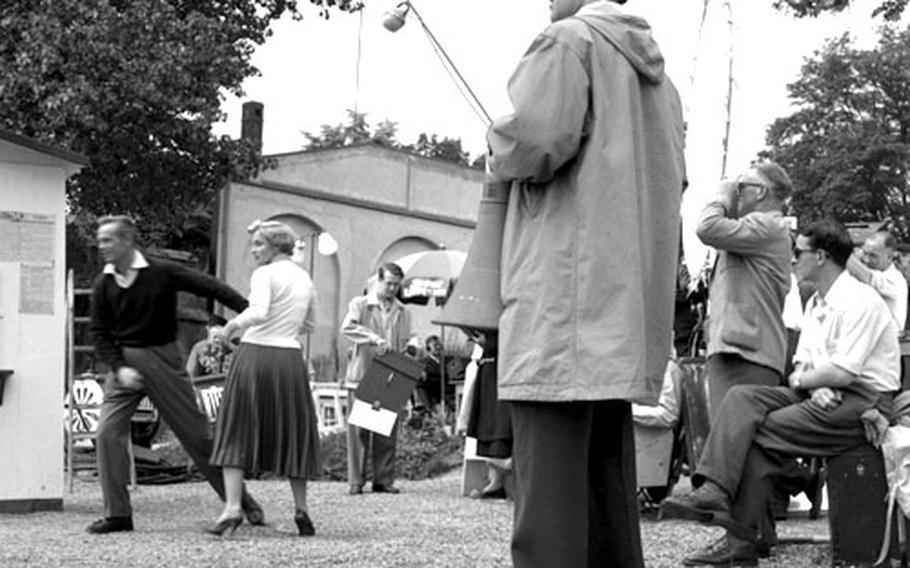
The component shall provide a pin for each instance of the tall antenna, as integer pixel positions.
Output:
(357, 71)
(730, 51)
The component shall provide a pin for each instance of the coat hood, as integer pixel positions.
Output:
(630, 35)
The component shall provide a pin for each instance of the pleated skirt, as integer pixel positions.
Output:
(490, 419)
(267, 419)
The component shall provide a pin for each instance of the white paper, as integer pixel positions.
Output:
(378, 420)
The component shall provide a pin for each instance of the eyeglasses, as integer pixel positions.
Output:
(742, 185)
(798, 252)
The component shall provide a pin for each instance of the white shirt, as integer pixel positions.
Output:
(793, 307)
(892, 286)
(851, 328)
(282, 305)
(126, 280)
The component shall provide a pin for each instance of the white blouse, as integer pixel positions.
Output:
(282, 305)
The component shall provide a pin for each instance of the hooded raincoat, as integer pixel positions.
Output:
(594, 151)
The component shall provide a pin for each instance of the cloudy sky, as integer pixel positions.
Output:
(311, 75)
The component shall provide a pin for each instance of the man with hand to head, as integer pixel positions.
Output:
(747, 341)
(873, 264)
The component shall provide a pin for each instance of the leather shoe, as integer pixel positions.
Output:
(698, 505)
(386, 489)
(498, 493)
(304, 523)
(721, 553)
(708, 504)
(355, 490)
(110, 524)
(252, 510)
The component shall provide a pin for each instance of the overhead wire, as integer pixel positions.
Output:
(452, 70)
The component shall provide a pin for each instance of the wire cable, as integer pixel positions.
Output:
(459, 80)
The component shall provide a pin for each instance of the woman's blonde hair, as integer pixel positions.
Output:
(279, 235)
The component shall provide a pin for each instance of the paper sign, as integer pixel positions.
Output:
(377, 420)
(386, 385)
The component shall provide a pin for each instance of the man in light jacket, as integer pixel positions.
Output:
(375, 323)
(594, 155)
(747, 340)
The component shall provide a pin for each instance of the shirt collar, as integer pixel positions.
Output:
(139, 262)
(839, 293)
(373, 300)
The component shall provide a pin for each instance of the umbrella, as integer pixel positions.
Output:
(427, 274)
(432, 264)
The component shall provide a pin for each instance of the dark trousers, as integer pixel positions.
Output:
(363, 445)
(575, 501)
(170, 390)
(727, 370)
(760, 430)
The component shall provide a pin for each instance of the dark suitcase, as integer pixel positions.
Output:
(857, 506)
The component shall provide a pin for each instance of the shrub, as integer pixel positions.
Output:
(424, 450)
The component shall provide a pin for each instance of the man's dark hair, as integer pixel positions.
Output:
(126, 226)
(431, 339)
(391, 268)
(832, 237)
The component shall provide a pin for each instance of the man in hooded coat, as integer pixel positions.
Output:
(594, 155)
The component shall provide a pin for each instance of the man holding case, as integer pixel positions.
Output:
(594, 155)
(375, 323)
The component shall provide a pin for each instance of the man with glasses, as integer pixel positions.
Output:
(747, 342)
(846, 362)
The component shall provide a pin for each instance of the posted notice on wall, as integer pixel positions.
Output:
(28, 239)
(36, 288)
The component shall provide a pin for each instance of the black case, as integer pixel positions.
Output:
(857, 506)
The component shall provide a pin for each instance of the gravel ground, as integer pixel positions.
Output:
(428, 524)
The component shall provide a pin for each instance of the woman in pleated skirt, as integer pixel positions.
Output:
(267, 419)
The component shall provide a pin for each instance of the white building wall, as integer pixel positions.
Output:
(33, 346)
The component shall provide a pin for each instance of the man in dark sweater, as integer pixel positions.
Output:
(134, 328)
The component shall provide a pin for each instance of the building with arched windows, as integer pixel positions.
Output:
(378, 204)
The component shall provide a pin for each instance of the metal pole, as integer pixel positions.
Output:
(442, 371)
(314, 237)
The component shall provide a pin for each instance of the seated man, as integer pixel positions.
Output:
(209, 356)
(430, 388)
(846, 362)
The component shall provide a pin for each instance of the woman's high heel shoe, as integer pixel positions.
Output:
(304, 524)
(223, 525)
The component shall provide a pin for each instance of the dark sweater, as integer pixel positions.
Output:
(145, 314)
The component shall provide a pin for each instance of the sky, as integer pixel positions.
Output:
(310, 73)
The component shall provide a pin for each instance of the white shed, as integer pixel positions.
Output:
(32, 321)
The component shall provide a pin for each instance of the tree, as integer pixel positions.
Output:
(890, 10)
(847, 146)
(448, 149)
(135, 86)
(357, 131)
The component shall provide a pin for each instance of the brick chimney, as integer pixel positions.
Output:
(251, 125)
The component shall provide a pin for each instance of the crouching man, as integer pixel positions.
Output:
(846, 362)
